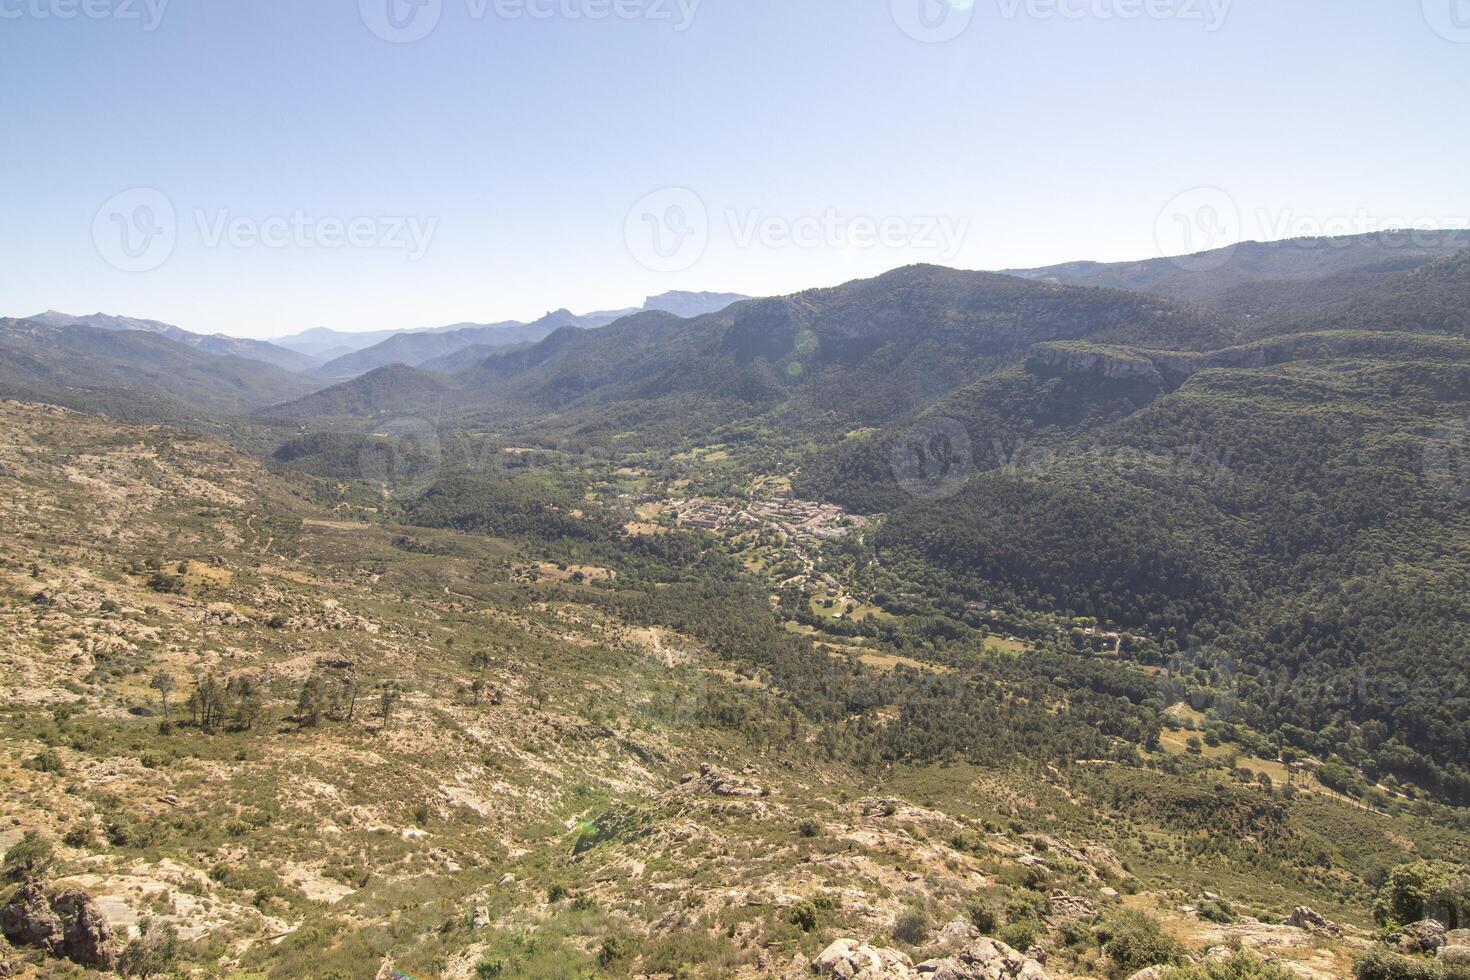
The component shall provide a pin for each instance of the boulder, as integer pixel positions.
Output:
(848, 959)
(27, 920)
(983, 959)
(87, 938)
(1304, 918)
(9, 965)
(959, 932)
(1064, 906)
(716, 781)
(1151, 973)
(1421, 937)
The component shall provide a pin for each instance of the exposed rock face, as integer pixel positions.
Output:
(848, 959)
(8, 965)
(87, 938)
(1421, 937)
(1304, 918)
(1151, 973)
(1064, 906)
(722, 782)
(984, 959)
(959, 932)
(27, 920)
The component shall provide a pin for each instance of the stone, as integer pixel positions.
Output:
(716, 781)
(481, 917)
(983, 959)
(1064, 906)
(1150, 973)
(959, 932)
(28, 920)
(848, 959)
(1110, 894)
(1421, 937)
(87, 937)
(1312, 921)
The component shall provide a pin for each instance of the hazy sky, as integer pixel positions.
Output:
(265, 166)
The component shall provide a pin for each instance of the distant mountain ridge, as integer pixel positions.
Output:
(1267, 278)
(335, 349)
(862, 353)
(217, 344)
(135, 373)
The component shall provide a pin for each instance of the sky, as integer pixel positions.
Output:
(260, 168)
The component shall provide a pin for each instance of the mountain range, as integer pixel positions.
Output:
(1076, 623)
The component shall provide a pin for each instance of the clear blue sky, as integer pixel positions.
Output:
(523, 142)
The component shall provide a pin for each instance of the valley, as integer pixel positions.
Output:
(1025, 630)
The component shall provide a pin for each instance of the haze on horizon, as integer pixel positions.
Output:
(259, 171)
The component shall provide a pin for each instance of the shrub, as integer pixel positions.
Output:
(1380, 964)
(1424, 889)
(804, 916)
(614, 948)
(1240, 966)
(912, 927)
(981, 914)
(30, 857)
(1019, 935)
(1133, 941)
(46, 761)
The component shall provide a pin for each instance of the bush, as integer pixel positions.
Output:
(1217, 910)
(1019, 935)
(614, 948)
(1133, 941)
(46, 760)
(982, 916)
(1424, 889)
(30, 857)
(1240, 966)
(1381, 964)
(804, 916)
(912, 927)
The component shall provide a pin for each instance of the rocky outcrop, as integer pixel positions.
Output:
(28, 920)
(70, 925)
(1150, 973)
(959, 932)
(87, 938)
(848, 959)
(1115, 363)
(1070, 907)
(9, 963)
(981, 959)
(1421, 937)
(1312, 921)
(715, 781)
